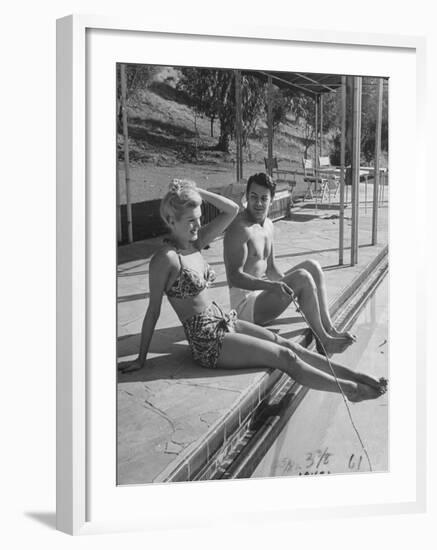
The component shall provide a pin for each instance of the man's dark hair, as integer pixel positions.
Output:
(262, 179)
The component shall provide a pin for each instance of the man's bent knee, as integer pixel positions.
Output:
(314, 269)
(313, 266)
(304, 279)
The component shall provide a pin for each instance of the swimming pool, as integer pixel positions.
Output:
(319, 438)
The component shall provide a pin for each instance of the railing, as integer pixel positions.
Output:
(209, 212)
(278, 209)
(146, 221)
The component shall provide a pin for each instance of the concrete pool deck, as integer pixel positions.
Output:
(172, 414)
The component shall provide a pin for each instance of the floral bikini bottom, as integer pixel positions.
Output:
(205, 332)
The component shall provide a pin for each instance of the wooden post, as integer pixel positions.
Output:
(355, 166)
(342, 170)
(269, 125)
(376, 163)
(238, 121)
(126, 152)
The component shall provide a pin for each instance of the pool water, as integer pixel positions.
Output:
(319, 438)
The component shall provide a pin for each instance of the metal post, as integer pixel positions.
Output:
(241, 127)
(356, 137)
(342, 171)
(365, 193)
(321, 125)
(119, 228)
(241, 159)
(376, 164)
(238, 121)
(126, 152)
(270, 125)
(316, 130)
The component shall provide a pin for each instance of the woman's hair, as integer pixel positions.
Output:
(182, 194)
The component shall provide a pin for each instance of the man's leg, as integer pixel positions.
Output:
(316, 272)
(271, 303)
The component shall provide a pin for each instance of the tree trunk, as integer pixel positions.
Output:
(212, 126)
(119, 117)
(223, 142)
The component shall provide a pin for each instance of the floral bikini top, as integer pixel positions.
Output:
(189, 282)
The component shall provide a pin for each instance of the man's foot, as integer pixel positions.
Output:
(363, 392)
(333, 345)
(345, 334)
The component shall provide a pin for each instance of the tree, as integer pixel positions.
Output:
(304, 107)
(212, 92)
(282, 101)
(138, 78)
(369, 104)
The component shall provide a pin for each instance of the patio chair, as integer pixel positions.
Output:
(332, 175)
(311, 176)
(280, 175)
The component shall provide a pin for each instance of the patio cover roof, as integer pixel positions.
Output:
(308, 83)
(312, 84)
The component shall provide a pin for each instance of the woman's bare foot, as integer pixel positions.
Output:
(367, 379)
(363, 392)
(379, 384)
(383, 383)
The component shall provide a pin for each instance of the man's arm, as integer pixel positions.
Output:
(235, 256)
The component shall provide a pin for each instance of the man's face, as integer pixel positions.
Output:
(258, 202)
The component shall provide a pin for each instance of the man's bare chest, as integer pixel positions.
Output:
(259, 244)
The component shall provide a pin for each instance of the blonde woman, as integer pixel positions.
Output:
(218, 339)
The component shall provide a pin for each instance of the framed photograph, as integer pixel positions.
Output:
(327, 120)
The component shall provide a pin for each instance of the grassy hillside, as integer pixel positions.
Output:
(167, 139)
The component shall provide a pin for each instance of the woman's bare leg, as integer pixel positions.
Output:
(311, 358)
(341, 371)
(243, 351)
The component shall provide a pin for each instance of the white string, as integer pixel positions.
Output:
(338, 384)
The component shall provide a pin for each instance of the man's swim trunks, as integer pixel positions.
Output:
(243, 301)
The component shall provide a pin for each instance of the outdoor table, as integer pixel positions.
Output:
(370, 170)
(365, 171)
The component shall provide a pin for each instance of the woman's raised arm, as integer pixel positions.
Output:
(228, 211)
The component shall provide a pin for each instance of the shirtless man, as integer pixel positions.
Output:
(259, 291)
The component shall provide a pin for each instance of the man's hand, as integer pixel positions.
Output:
(283, 288)
(130, 366)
